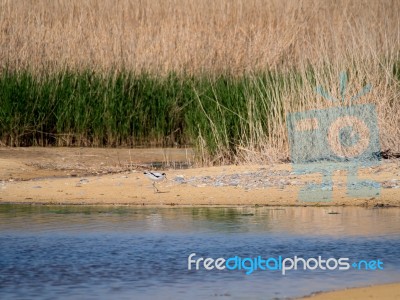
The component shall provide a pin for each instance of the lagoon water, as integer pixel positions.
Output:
(114, 252)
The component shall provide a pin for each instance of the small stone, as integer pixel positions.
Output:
(179, 179)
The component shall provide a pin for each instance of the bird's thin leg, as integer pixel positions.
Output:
(154, 185)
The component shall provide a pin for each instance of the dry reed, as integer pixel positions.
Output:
(194, 36)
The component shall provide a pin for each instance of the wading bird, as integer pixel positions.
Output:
(154, 176)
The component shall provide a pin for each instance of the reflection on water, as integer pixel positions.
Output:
(103, 252)
(299, 221)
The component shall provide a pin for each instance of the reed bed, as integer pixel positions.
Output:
(219, 75)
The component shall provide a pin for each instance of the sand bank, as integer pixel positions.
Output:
(115, 176)
(378, 292)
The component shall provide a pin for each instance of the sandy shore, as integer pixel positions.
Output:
(378, 292)
(115, 176)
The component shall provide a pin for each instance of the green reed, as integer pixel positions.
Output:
(218, 115)
(214, 114)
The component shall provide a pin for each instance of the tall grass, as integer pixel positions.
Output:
(220, 75)
(226, 118)
(84, 108)
(195, 36)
